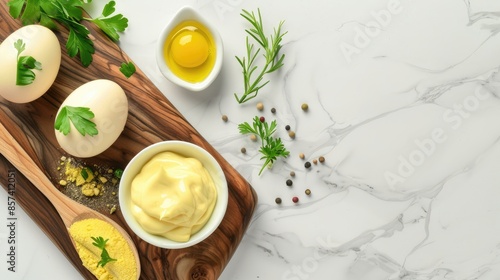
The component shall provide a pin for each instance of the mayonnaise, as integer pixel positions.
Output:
(173, 196)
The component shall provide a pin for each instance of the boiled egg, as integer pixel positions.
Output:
(109, 104)
(190, 50)
(41, 44)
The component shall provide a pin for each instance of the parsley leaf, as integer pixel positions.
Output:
(271, 148)
(24, 74)
(69, 13)
(111, 25)
(127, 69)
(100, 243)
(79, 116)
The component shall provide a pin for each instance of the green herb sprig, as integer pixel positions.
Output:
(100, 243)
(271, 46)
(271, 147)
(69, 13)
(127, 69)
(80, 117)
(24, 75)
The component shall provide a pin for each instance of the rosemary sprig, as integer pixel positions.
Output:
(271, 46)
(271, 148)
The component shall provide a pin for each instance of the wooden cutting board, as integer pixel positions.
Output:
(152, 118)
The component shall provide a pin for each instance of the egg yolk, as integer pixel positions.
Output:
(190, 49)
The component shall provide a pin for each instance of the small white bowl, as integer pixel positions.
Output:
(188, 13)
(188, 150)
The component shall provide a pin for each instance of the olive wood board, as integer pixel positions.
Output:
(152, 118)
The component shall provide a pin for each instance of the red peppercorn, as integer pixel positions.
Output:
(295, 199)
(262, 119)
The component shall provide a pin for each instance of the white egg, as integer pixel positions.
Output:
(40, 43)
(107, 100)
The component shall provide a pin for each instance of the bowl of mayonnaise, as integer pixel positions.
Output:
(173, 194)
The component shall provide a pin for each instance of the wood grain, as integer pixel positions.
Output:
(152, 118)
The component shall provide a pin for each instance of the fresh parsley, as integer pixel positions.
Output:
(69, 13)
(127, 69)
(100, 243)
(79, 116)
(271, 46)
(24, 75)
(271, 147)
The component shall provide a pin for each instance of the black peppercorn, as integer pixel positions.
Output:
(289, 182)
(307, 164)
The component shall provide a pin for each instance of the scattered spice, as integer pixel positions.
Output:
(253, 137)
(291, 134)
(315, 161)
(91, 185)
(262, 119)
(302, 156)
(308, 191)
(292, 173)
(278, 200)
(273, 110)
(224, 118)
(287, 127)
(321, 159)
(295, 199)
(304, 106)
(260, 106)
(289, 182)
(243, 150)
(307, 164)
(123, 268)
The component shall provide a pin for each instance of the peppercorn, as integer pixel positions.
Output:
(253, 137)
(321, 159)
(273, 110)
(308, 191)
(289, 182)
(292, 173)
(295, 199)
(243, 150)
(307, 164)
(304, 106)
(260, 106)
(291, 134)
(315, 161)
(262, 119)
(302, 156)
(287, 127)
(224, 118)
(278, 200)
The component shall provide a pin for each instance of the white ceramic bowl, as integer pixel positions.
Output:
(188, 13)
(186, 149)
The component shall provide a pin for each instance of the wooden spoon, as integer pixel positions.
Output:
(69, 210)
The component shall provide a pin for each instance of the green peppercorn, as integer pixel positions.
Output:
(308, 191)
(304, 106)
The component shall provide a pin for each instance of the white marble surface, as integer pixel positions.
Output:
(404, 105)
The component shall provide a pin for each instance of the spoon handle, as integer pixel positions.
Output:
(18, 157)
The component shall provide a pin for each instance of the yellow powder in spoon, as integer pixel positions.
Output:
(123, 268)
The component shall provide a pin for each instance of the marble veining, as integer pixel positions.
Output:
(404, 105)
